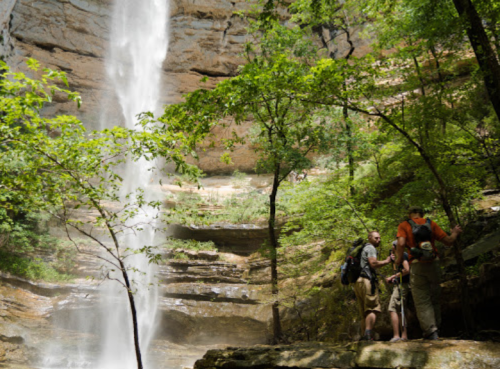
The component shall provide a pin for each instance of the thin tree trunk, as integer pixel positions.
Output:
(126, 279)
(485, 54)
(420, 77)
(377, 163)
(441, 84)
(350, 155)
(277, 333)
(345, 112)
(133, 311)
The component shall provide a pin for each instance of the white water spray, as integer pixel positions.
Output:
(138, 47)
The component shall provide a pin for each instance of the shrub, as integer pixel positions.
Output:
(33, 269)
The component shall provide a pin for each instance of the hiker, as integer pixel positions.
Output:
(401, 281)
(418, 236)
(292, 177)
(302, 176)
(366, 286)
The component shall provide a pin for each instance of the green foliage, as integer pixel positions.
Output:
(49, 163)
(324, 213)
(24, 231)
(474, 270)
(32, 269)
(190, 245)
(400, 126)
(191, 208)
(24, 236)
(239, 179)
(181, 256)
(65, 254)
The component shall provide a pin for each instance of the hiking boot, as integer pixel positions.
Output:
(433, 336)
(367, 336)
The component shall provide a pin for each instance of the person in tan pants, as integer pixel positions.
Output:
(365, 287)
(399, 297)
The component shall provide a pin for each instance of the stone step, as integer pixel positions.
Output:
(236, 293)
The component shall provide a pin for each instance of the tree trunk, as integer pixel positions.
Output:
(490, 161)
(126, 279)
(485, 54)
(133, 311)
(274, 257)
(345, 112)
(350, 155)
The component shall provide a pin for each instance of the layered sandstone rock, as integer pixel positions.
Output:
(206, 39)
(73, 36)
(201, 304)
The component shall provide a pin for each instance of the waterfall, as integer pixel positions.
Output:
(138, 47)
(86, 335)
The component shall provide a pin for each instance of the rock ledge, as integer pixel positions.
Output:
(416, 354)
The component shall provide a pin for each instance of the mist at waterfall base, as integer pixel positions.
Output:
(138, 47)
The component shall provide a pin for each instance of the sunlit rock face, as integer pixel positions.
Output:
(206, 39)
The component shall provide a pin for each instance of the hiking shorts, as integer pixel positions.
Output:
(395, 302)
(367, 302)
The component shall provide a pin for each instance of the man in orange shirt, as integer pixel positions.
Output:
(425, 271)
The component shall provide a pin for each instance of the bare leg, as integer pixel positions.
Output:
(395, 324)
(370, 320)
(404, 332)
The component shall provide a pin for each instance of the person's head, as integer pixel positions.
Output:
(374, 238)
(415, 212)
(394, 246)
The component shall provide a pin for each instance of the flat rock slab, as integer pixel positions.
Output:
(417, 354)
(241, 239)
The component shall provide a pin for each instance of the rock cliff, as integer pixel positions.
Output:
(206, 39)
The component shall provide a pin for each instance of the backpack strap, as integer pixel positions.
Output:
(413, 224)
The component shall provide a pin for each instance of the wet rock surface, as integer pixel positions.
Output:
(207, 302)
(202, 304)
(442, 354)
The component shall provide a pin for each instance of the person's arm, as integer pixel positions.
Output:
(449, 240)
(405, 271)
(375, 264)
(400, 248)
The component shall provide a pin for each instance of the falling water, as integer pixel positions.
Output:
(138, 47)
